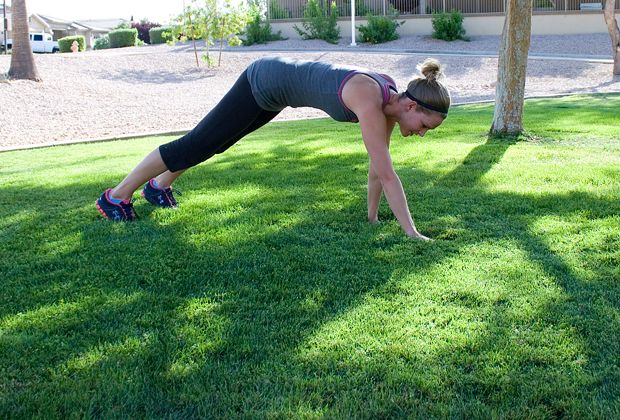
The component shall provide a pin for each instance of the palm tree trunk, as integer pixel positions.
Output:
(614, 33)
(22, 59)
(512, 66)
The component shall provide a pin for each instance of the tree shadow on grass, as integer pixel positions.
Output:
(226, 307)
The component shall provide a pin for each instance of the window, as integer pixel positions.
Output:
(37, 38)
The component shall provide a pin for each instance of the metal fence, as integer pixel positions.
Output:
(294, 9)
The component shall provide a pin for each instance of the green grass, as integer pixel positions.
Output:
(268, 295)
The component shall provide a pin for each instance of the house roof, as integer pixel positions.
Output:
(102, 25)
(53, 23)
(107, 24)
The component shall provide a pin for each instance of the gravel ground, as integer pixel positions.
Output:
(104, 94)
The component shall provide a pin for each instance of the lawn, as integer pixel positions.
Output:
(268, 295)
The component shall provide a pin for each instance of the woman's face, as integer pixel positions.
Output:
(416, 121)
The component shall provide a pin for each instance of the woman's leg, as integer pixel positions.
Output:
(236, 115)
(151, 166)
(232, 118)
(167, 178)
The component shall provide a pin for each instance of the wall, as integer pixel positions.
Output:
(476, 25)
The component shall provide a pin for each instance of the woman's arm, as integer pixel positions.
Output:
(374, 184)
(363, 96)
(390, 183)
(374, 194)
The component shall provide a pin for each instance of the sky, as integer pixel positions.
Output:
(158, 11)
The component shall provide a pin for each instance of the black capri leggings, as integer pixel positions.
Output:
(235, 116)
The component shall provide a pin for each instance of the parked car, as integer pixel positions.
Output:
(43, 43)
(40, 42)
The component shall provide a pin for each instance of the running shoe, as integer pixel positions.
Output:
(159, 197)
(121, 212)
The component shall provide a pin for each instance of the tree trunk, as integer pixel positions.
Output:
(22, 59)
(512, 66)
(614, 33)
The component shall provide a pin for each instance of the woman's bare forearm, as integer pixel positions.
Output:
(395, 195)
(374, 195)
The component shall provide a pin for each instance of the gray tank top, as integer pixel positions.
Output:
(279, 82)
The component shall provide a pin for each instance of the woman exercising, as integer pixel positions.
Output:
(268, 86)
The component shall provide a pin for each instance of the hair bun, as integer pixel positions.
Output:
(431, 69)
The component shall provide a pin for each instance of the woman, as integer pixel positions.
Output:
(271, 84)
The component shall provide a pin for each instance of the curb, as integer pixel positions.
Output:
(182, 132)
(95, 140)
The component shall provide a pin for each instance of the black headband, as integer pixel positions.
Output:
(424, 104)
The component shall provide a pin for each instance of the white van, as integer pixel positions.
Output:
(43, 43)
(40, 42)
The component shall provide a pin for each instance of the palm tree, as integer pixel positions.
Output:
(22, 59)
(614, 33)
(512, 65)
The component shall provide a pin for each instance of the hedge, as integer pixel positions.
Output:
(123, 38)
(102, 43)
(64, 44)
(160, 35)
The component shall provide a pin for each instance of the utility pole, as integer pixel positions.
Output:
(4, 25)
(353, 44)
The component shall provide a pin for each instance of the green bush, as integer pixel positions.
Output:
(123, 38)
(380, 28)
(259, 31)
(64, 44)
(102, 43)
(448, 26)
(320, 23)
(160, 35)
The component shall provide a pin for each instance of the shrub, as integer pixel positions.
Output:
(102, 43)
(123, 38)
(64, 44)
(143, 29)
(122, 25)
(320, 23)
(380, 28)
(160, 35)
(448, 26)
(259, 31)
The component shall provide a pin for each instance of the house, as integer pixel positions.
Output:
(60, 28)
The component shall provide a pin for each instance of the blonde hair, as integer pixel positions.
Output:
(427, 90)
